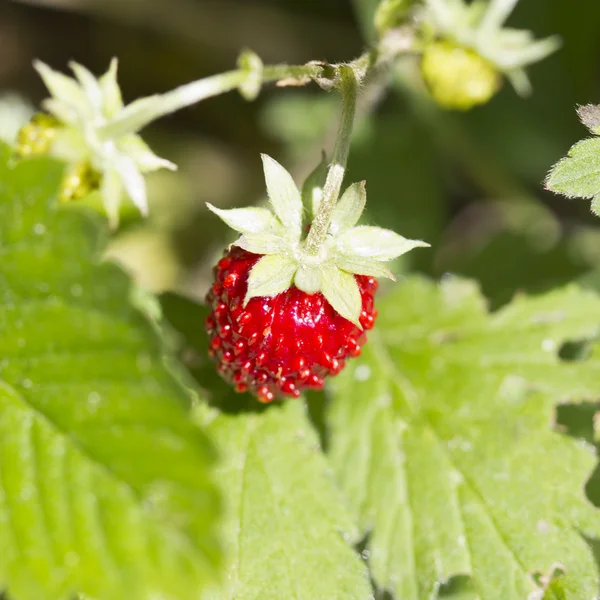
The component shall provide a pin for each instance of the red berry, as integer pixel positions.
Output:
(278, 346)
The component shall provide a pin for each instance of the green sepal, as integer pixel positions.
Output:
(247, 220)
(342, 292)
(376, 243)
(270, 276)
(349, 208)
(309, 278)
(363, 266)
(262, 243)
(284, 196)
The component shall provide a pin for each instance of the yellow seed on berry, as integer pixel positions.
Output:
(37, 136)
(79, 181)
(458, 78)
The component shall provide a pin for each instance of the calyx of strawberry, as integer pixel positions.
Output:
(278, 235)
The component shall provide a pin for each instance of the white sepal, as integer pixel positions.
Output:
(247, 220)
(349, 208)
(376, 243)
(532, 53)
(133, 182)
(64, 112)
(270, 276)
(284, 196)
(308, 278)
(147, 162)
(89, 84)
(520, 81)
(111, 92)
(69, 145)
(342, 292)
(62, 87)
(363, 266)
(112, 193)
(262, 243)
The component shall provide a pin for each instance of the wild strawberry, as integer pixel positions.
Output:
(276, 346)
(285, 313)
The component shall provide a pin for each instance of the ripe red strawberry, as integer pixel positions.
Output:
(288, 309)
(276, 346)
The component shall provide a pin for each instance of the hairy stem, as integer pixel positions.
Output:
(136, 115)
(337, 169)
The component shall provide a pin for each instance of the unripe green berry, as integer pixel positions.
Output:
(37, 136)
(458, 78)
(79, 181)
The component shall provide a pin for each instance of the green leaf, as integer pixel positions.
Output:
(441, 436)
(105, 486)
(578, 175)
(287, 529)
(287, 522)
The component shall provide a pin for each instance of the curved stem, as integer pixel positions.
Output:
(337, 169)
(142, 112)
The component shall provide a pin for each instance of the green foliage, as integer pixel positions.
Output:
(287, 529)
(450, 454)
(578, 175)
(441, 437)
(105, 487)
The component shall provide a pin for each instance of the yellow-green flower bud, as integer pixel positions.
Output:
(79, 181)
(458, 78)
(36, 137)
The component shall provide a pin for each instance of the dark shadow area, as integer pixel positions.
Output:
(186, 318)
(574, 351)
(459, 587)
(577, 420)
(316, 403)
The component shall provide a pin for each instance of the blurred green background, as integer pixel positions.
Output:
(470, 184)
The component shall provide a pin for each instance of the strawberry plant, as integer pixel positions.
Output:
(325, 424)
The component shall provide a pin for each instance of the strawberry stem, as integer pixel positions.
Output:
(191, 93)
(318, 231)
